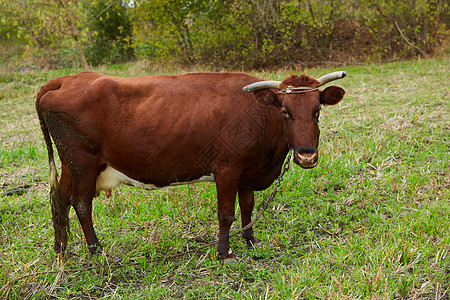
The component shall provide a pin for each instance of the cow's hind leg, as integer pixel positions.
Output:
(246, 203)
(81, 200)
(75, 140)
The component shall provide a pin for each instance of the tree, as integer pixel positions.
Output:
(46, 25)
(70, 23)
(173, 26)
(110, 31)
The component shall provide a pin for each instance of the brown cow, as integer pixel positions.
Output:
(158, 131)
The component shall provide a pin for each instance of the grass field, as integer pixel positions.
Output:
(371, 221)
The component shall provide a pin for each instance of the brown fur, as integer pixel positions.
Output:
(331, 95)
(165, 129)
(298, 81)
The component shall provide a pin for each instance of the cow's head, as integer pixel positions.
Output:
(299, 100)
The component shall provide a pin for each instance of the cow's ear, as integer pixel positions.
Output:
(331, 95)
(267, 97)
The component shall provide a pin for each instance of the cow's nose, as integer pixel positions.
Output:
(306, 157)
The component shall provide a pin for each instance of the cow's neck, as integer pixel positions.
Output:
(279, 146)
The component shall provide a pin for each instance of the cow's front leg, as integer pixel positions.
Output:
(246, 203)
(227, 187)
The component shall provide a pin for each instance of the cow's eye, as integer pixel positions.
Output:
(317, 114)
(284, 113)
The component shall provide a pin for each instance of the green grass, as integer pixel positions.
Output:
(371, 221)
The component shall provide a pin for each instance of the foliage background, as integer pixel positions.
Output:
(214, 34)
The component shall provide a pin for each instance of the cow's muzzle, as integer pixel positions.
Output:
(306, 157)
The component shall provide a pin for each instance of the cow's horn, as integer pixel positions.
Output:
(261, 85)
(330, 77)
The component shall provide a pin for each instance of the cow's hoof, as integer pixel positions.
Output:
(231, 260)
(59, 248)
(95, 249)
(253, 243)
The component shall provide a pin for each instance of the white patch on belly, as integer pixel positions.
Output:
(111, 178)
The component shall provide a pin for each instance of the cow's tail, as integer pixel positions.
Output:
(60, 211)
